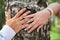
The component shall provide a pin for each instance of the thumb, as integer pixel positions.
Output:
(8, 15)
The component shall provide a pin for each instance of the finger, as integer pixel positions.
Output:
(31, 20)
(29, 16)
(31, 25)
(25, 14)
(20, 12)
(8, 15)
(34, 27)
(26, 25)
(24, 21)
(39, 28)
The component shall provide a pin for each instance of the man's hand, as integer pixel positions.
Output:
(17, 23)
(38, 20)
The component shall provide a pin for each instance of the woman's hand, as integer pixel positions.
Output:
(38, 20)
(17, 23)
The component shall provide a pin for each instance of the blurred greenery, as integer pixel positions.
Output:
(51, 1)
(55, 33)
(2, 20)
(55, 29)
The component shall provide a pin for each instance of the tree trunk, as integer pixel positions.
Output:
(34, 6)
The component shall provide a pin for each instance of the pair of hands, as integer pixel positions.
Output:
(19, 22)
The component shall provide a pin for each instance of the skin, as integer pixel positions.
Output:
(40, 18)
(17, 23)
(38, 21)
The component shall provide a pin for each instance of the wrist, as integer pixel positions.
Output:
(50, 11)
(55, 7)
(11, 23)
(47, 12)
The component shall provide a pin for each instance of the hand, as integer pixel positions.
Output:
(17, 23)
(38, 20)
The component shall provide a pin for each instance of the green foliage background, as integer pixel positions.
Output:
(2, 13)
(55, 32)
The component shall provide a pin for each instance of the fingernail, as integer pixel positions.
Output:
(8, 9)
(28, 32)
(25, 29)
(29, 11)
(37, 30)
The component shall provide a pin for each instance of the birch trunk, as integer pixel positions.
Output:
(34, 5)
